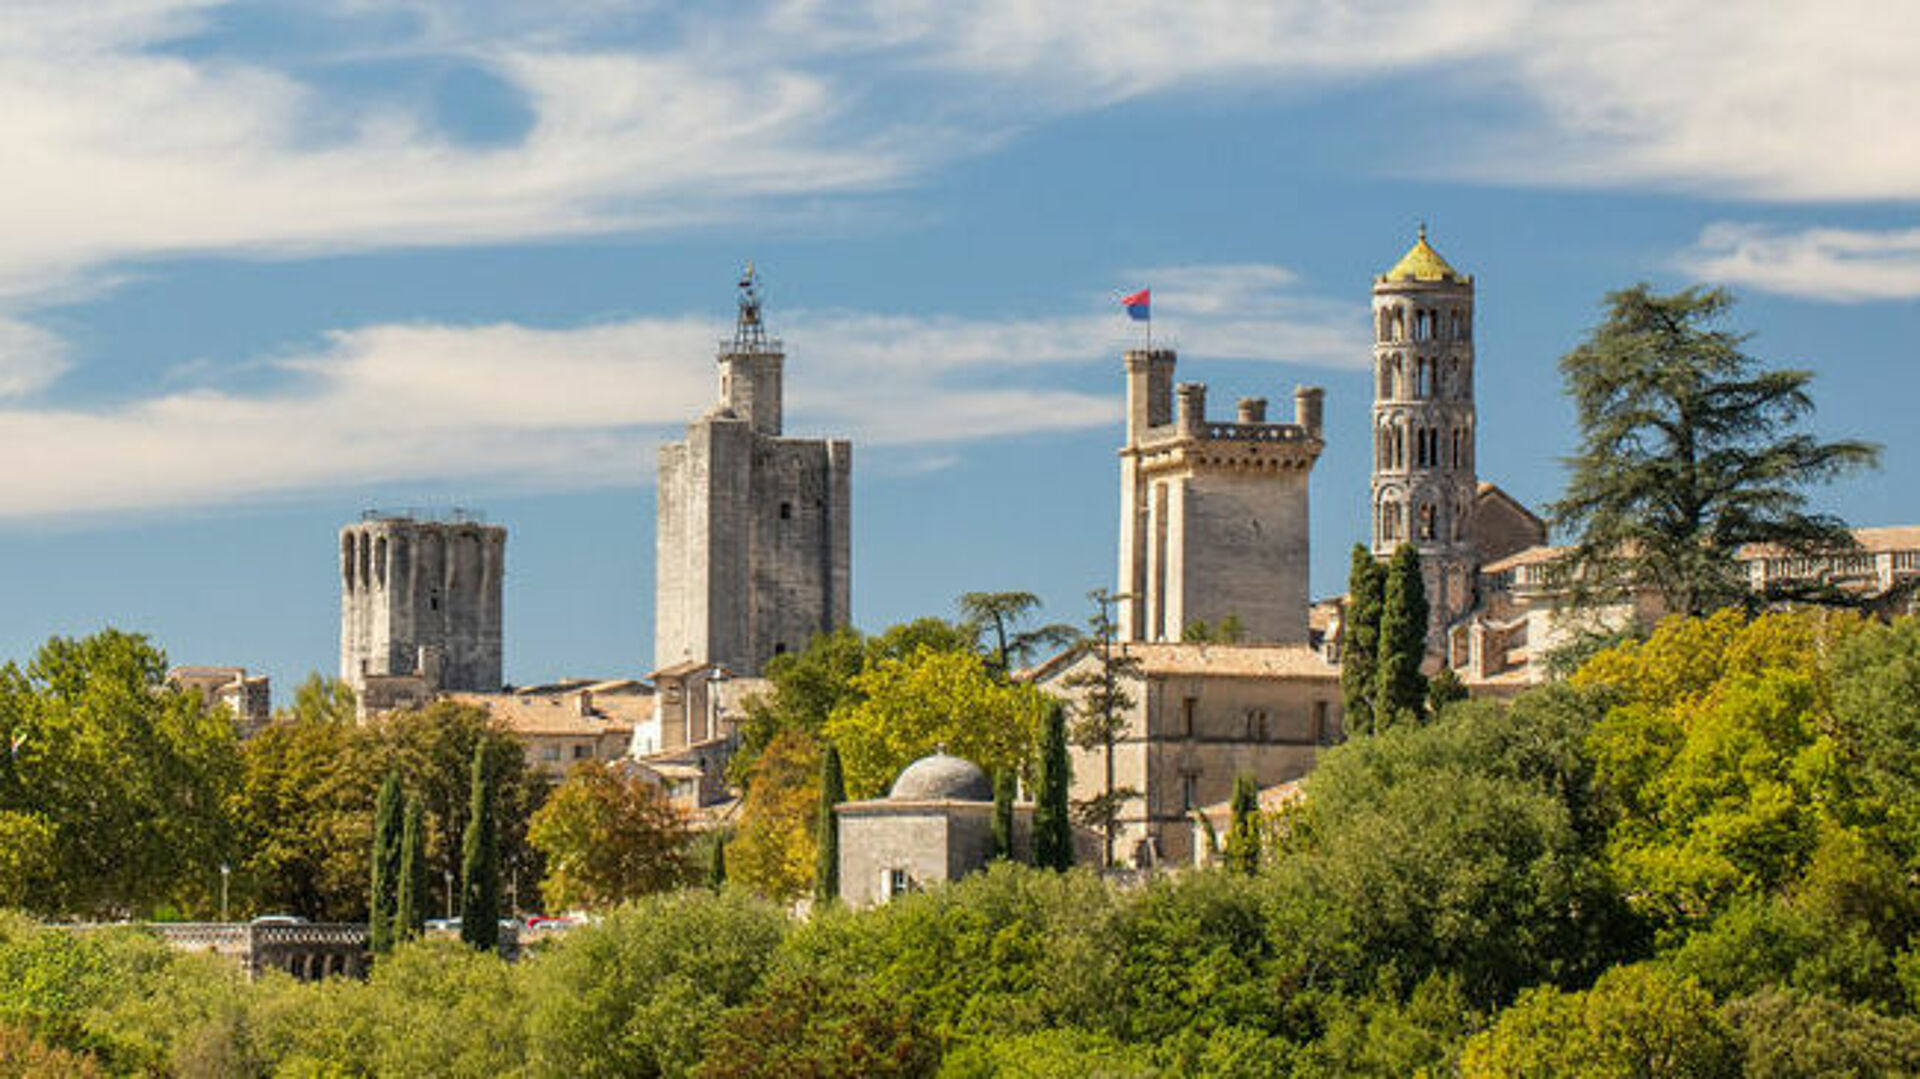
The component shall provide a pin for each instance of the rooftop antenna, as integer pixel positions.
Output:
(750, 331)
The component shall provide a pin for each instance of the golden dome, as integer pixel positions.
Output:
(1422, 263)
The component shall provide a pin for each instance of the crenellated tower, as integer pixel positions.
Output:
(1423, 425)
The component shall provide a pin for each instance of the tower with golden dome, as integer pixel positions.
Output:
(1424, 484)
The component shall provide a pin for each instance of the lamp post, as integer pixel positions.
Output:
(447, 874)
(226, 873)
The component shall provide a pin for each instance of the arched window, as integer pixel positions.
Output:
(1426, 520)
(346, 559)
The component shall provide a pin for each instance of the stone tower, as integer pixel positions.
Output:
(1213, 516)
(754, 540)
(1423, 421)
(421, 597)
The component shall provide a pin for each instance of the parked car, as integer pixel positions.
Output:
(279, 919)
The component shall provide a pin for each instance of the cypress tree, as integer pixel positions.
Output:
(1360, 640)
(480, 860)
(833, 791)
(717, 862)
(409, 917)
(1243, 835)
(1400, 695)
(1052, 830)
(386, 866)
(1003, 794)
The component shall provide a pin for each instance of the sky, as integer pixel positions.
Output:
(264, 266)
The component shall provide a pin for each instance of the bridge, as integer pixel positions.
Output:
(308, 951)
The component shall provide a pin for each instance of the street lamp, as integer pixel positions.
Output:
(448, 875)
(226, 872)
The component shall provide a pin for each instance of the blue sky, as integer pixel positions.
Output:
(270, 264)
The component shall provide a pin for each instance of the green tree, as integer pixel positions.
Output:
(1101, 714)
(1637, 1022)
(480, 860)
(1444, 689)
(409, 907)
(607, 837)
(927, 701)
(774, 851)
(1689, 449)
(1243, 836)
(1052, 827)
(717, 861)
(796, 1025)
(1360, 639)
(833, 791)
(1791, 1036)
(998, 617)
(1400, 695)
(1005, 788)
(383, 895)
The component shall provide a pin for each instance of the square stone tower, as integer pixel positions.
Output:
(754, 544)
(421, 597)
(1213, 515)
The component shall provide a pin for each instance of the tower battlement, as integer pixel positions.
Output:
(422, 597)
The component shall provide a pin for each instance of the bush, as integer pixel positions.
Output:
(1637, 1022)
(1786, 1036)
(797, 1027)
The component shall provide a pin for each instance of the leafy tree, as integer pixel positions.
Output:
(607, 837)
(1101, 715)
(1229, 630)
(997, 618)
(1005, 786)
(409, 906)
(1243, 836)
(480, 861)
(1052, 828)
(717, 862)
(383, 896)
(833, 791)
(1360, 639)
(1443, 689)
(928, 701)
(798, 1026)
(1400, 695)
(1876, 701)
(1789, 1036)
(113, 785)
(1637, 1022)
(22, 1056)
(774, 850)
(1689, 449)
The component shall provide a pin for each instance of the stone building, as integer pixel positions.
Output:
(1213, 515)
(564, 724)
(1201, 715)
(935, 825)
(420, 606)
(249, 698)
(1424, 491)
(754, 541)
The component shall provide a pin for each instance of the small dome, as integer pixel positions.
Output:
(1422, 263)
(942, 778)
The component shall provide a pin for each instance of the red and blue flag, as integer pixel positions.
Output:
(1139, 305)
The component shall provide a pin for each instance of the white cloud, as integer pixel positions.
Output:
(1842, 265)
(507, 405)
(30, 358)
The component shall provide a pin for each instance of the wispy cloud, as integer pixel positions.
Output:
(507, 405)
(1842, 265)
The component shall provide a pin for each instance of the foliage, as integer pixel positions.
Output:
(803, 1028)
(1400, 692)
(1229, 630)
(833, 791)
(774, 851)
(997, 619)
(1243, 835)
(1381, 1035)
(1005, 788)
(1360, 639)
(1637, 1022)
(929, 701)
(114, 788)
(1688, 450)
(22, 1056)
(1443, 689)
(1052, 827)
(410, 897)
(480, 861)
(607, 836)
(1876, 699)
(384, 892)
(1100, 717)
(1787, 1036)
(1068, 1053)
(639, 993)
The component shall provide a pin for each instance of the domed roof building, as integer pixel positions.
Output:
(934, 825)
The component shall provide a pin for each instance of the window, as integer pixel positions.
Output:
(582, 751)
(1320, 721)
(551, 754)
(779, 648)
(1189, 791)
(786, 511)
(1187, 708)
(894, 882)
(1426, 521)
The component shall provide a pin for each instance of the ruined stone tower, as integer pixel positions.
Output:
(1213, 515)
(1423, 422)
(754, 540)
(421, 597)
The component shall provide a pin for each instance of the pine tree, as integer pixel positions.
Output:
(381, 903)
(480, 860)
(1101, 718)
(1400, 694)
(833, 791)
(1243, 835)
(1360, 639)
(410, 916)
(1688, 451)
(1052, 829)
(1003, 795)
